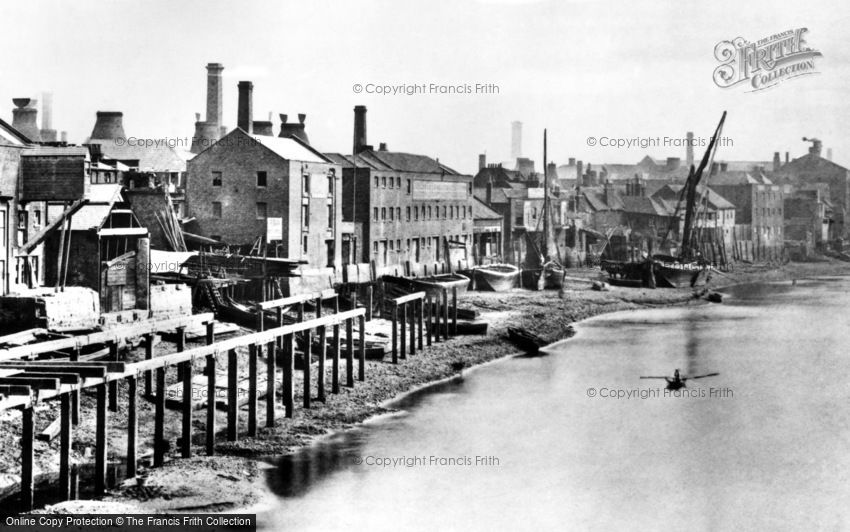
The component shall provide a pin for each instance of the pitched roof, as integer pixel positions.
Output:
(11, 136)
(644, 205)
(734, 177)
(56, 151)
(671, 193)
(497, 195)
(157, 158)
(291, 149)
(480, 211)
(393, 161)
(90, 217)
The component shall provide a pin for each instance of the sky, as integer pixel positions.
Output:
(579, 68)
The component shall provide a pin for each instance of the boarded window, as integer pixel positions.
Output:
(216, 179)
(262, 210)
(261, 178)
(216, 208)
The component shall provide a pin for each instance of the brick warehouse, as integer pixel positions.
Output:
(408, 208)
(234, 187)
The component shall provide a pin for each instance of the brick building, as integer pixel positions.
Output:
(759, 204)
(402, 207)
(12, 144)
(243, 183)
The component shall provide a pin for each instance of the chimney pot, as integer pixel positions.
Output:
(283, 118)
(108, 126)
(301, 118)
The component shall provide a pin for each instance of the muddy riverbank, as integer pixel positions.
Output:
(234, 480)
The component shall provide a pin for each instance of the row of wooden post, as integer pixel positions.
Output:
(433, 313)
(107, 393)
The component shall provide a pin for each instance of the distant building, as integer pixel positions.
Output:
(245, 183)
(403, 208)
(759, 204)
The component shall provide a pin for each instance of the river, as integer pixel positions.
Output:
(546, 444)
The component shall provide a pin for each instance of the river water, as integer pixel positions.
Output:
(522, 445)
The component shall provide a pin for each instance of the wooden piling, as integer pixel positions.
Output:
(349, 353)
(27, 436)
(65, 446)
(402, 314)
(252, 390)
(132, 427)
(412, 306)
(369, 303)
(75, 395)
(232, 396)
(159, 420)
(113, 385)
(323, 353)
(445, 314)
(308, 356)
(454, 311)
(361, 348)
(394, 312)
(429, 310)
(288, 370)
(419, 322)
(181, 346)
(211, 398)
(100, 441)
(149, 338)
(187, 406)
(336, 348)
(271, 370)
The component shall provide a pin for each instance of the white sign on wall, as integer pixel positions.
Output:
(274, 229)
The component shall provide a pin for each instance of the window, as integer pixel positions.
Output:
(377, 182)
(304, 244)
(262, 210)
(261, 178)
(391, 182)
(376, 213)
(469, 188)
(330, 250)
(444, 212)
(391, 245)
(397, 182)
(216, 207)
(375, 248)
(216, 178)
(409, 186)
(384, 181)
(452, 212)
(408, 213)
(305, 216)
(330, 214)
(408, 245)
(391, 213)
(397, 213)
(429, 212)
(398, 245)
(330, 185)
(36, 217)
(306, 181)
(383, 213)
(416, 213)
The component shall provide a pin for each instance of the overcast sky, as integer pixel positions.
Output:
(578, 68)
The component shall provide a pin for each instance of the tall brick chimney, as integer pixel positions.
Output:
(689, 150)
(360, 129)
(48, 134)
(777, 162)
(516, 139)
(108, 126)
(214, 94)
(25, 118)
(482, 161)
(245, 115)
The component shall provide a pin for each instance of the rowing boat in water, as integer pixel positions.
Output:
(493, 277)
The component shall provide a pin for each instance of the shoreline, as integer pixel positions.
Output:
(235, 478)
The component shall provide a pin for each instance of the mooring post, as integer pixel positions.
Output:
(211, 398)
(252, 390)
(100, 441)
(402, 318)
(394, 315)
(420, 322)
(279, 339)
(361, 348)
(349, 352)
(232, 396)
(271, 369)
(260, 324)
(149, 338)
(308, 359)
(323, 353)
(336, 348)
(132, 429)
(368, 302)
(429, 311)
(65, 446)
(113, 385)
(445, 314)
(438, 311)
(159, 420)
(181, 346)
(27, 435)
(210, 336)
(454, 311)
(75, 395)
(188, 406)
(412, 306)
(288, 370)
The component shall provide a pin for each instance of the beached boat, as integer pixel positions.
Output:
(525, 340)
(432, 284)
(493, 277)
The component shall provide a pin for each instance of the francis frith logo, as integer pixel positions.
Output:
(764, 63)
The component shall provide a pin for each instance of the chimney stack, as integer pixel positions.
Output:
(516, 140)
(263, 128)
(579, 173)
(291, 129)
(382, 146)
(109, 126)
(776, 161)
(689, 150)
(572, 161)
(63, 136)
(25, 118)
(482, 161)
(360, 129)
(245, 114)
(787, 158)
(48, 134)
(214, 94)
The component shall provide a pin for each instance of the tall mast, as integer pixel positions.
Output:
(545, 202)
